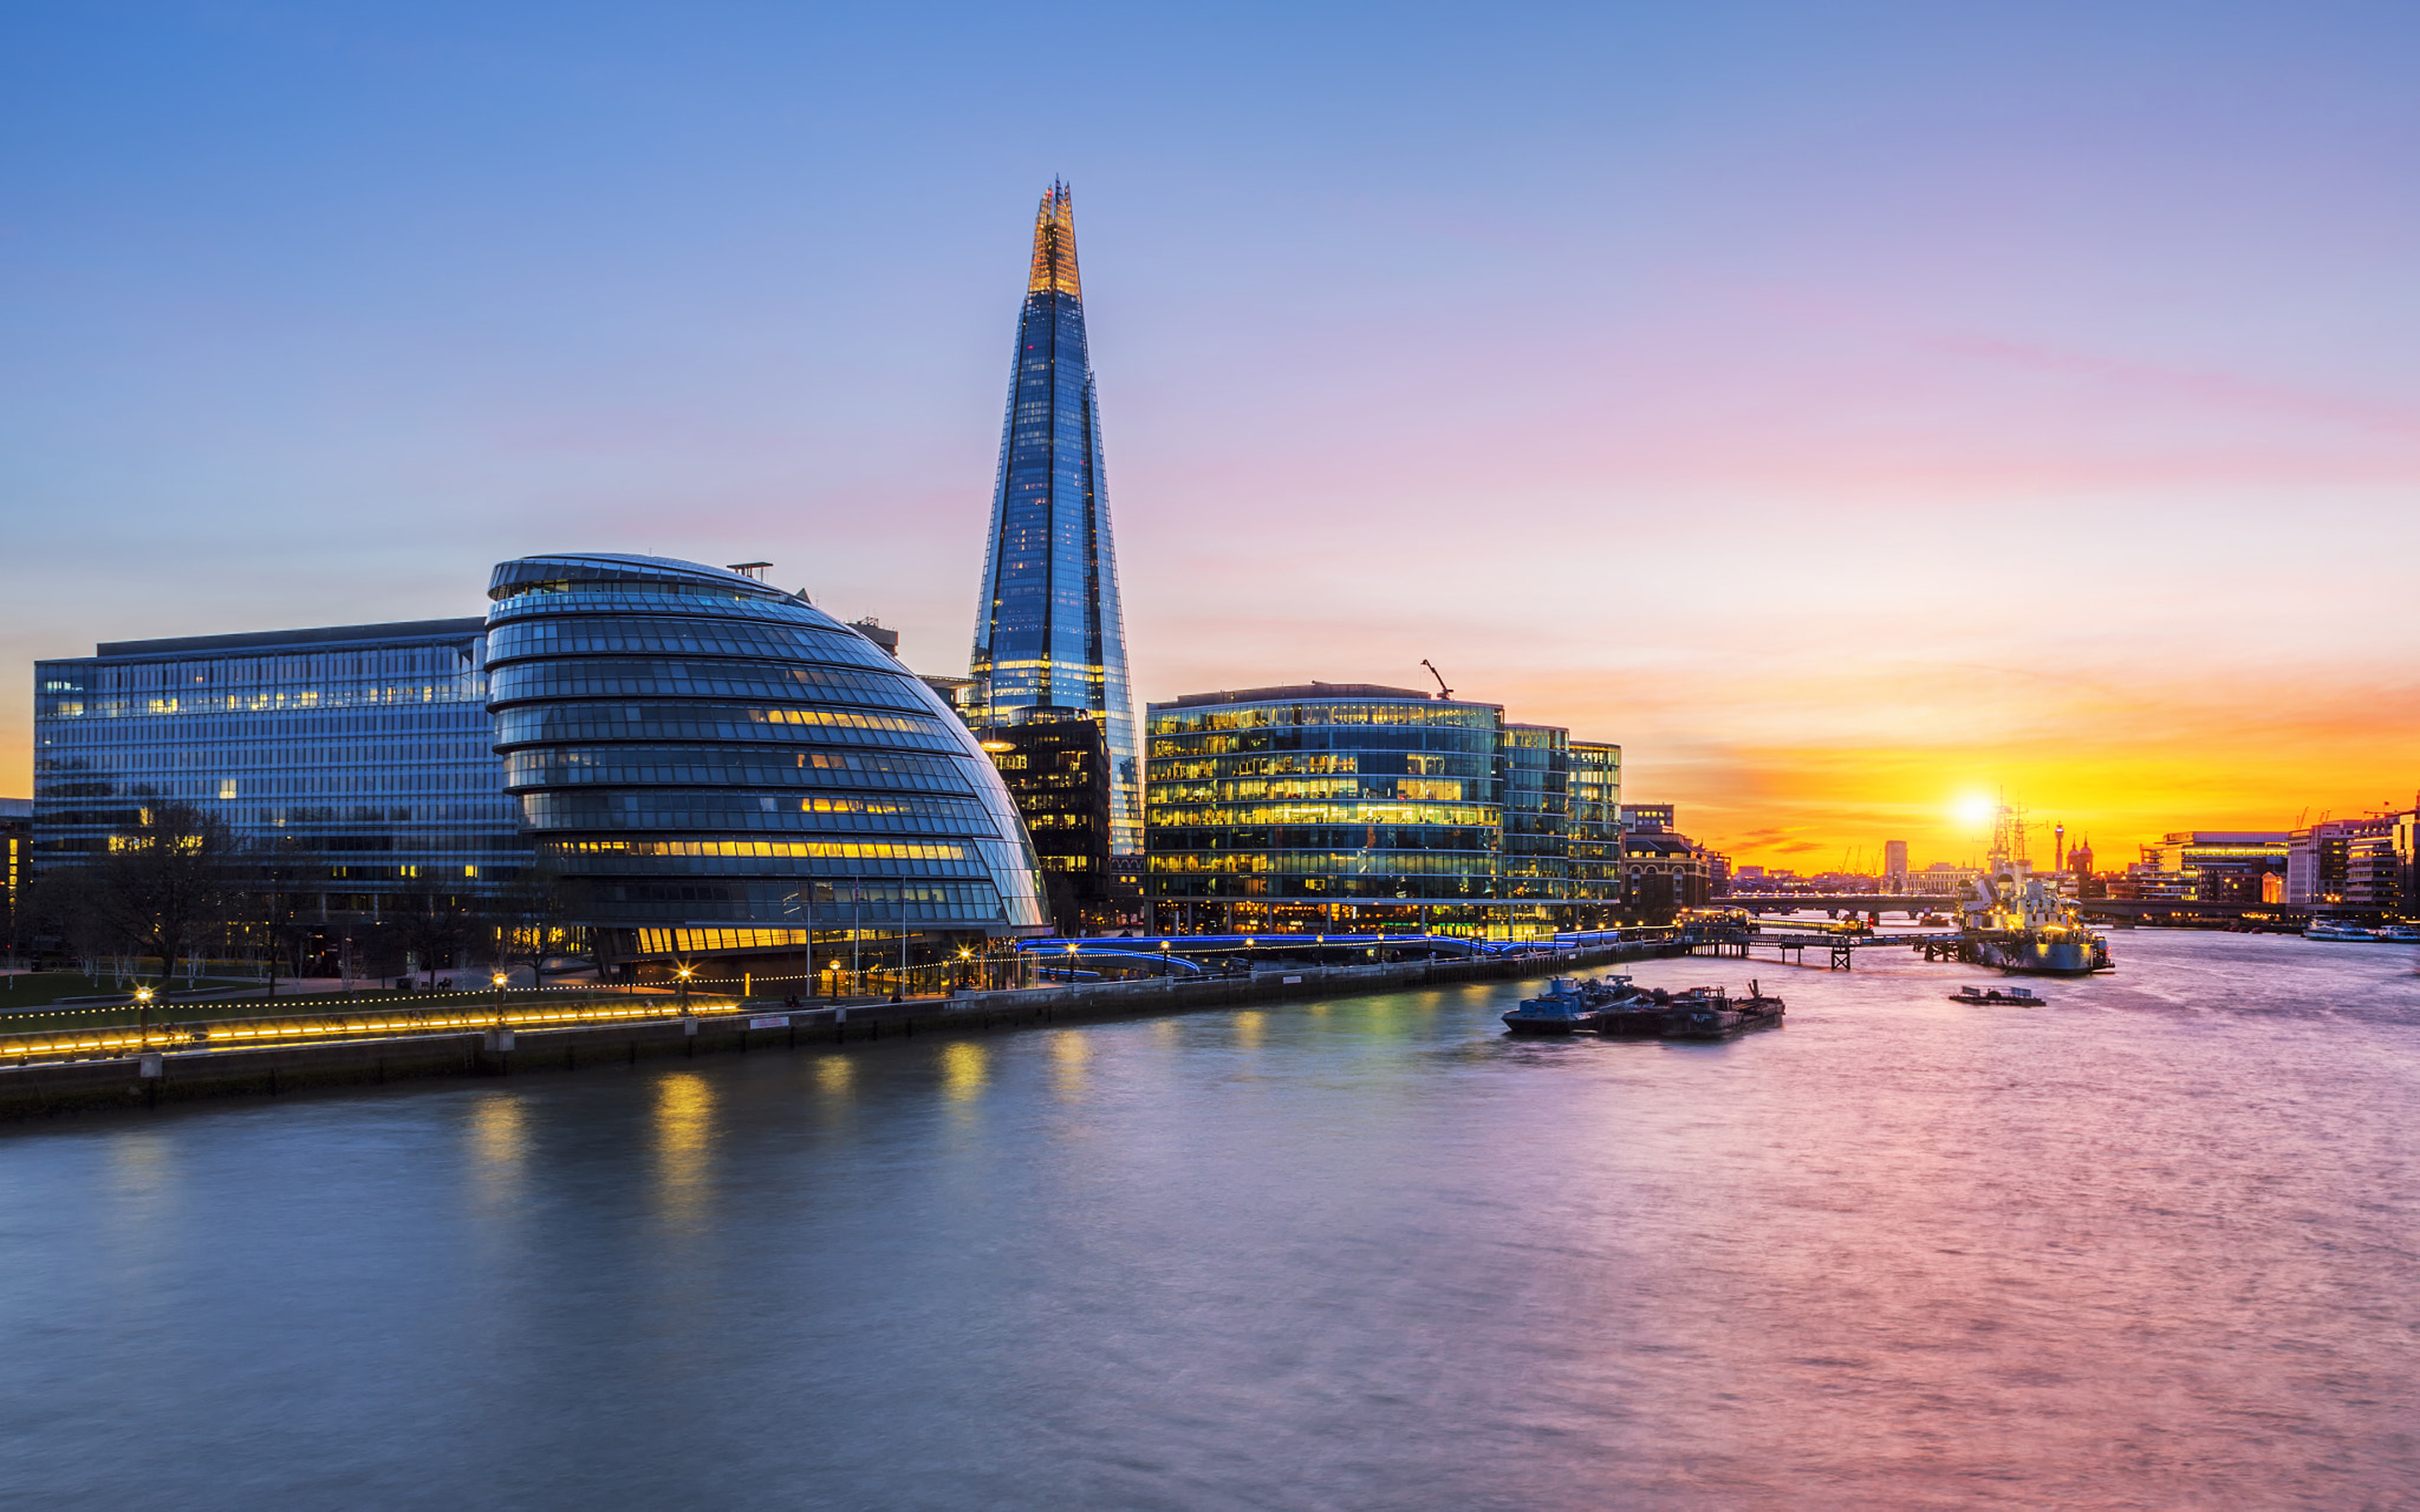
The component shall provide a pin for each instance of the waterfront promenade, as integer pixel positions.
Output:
(116, 1065)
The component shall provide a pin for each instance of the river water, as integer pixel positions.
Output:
(2153, 1246)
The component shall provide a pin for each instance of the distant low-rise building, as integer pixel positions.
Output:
(1942, 880)
(16, 840)
(2223, 866)
(2319, 859)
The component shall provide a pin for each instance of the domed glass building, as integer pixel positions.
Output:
(713, 766)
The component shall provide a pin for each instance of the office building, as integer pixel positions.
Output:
(16, 843)
(2318, 857)
(1595, 866)
(2213, 867)
(1649, 818)
(1354, 807)
(1894, 866)
(1055, 764)
(1048, 630)
(364, 747)
(1534, 852)
(1664, 871)
(715, 767)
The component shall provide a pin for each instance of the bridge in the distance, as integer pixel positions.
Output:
(2140, 910)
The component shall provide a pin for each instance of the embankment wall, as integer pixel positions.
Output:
(120, 1083)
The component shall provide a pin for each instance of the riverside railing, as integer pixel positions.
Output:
(467, 1016)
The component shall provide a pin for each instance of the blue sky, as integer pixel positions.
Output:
(1830, 403)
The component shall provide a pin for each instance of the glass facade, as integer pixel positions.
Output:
(1337, 803)
(1055, 766)
(1596, 822)
(1049, 630)
(1536, 763)
(366, 745)
(706, 759)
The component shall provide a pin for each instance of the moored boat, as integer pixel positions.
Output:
(2017, 921)
(2329, 929)
(1709, 1012)
(2012, 997)
(2400, 934)
(1561, 1008)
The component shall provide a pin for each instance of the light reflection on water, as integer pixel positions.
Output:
(2150, 1245)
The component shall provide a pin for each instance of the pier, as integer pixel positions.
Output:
(1791, 946)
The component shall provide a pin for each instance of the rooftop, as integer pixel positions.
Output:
(332, 635)
(1292, 691)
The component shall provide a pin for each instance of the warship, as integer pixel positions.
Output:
(2016, 920)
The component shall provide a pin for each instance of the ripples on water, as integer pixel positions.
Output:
(2151, 1246)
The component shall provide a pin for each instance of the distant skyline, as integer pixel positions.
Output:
(1851, 411)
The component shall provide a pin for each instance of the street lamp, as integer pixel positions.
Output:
(682, 974)
(499, 980)
(143, 1014)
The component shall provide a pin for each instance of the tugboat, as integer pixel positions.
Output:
(2015, 921)
(1994, 996)
(1561, 1008)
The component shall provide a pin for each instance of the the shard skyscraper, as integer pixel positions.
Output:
(1048, 631)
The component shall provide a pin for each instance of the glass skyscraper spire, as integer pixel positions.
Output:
(1050, 632)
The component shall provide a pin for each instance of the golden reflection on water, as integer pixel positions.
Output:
(1251, 1025)
(832, 1075)
(140, 1164)
(684, 1116)
(965, 1066)
(1071, 1055)
(499, 1149)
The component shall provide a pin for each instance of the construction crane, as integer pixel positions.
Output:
(1443, 691)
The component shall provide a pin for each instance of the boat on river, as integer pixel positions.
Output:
(1710, 1013)
(1561, 1008)
(2329, 929)
(2400, 934)
(2018, 922)
(1994, 997)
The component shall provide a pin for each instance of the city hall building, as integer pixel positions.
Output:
(1353, 807)
(717, 768)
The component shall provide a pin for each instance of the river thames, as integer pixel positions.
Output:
(2152, 1245)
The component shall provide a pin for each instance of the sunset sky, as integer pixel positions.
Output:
(1855, 411)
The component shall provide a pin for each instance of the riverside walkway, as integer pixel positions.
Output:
(126, 1066)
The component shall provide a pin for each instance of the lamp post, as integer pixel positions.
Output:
(143, 1014)
(681, 975)
(499, 980)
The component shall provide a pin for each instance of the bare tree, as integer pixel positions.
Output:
(168, 882)
(435, 925)
(280, 875)
(63, 905)
(532, 917)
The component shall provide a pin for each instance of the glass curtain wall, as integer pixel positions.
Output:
(712, 764)
(1378, 810)
(1049, 630)
(365, 745)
